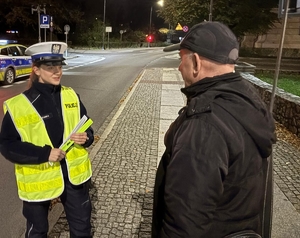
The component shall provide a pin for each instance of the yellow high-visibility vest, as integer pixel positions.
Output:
(44, 181)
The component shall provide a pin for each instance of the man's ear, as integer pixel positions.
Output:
(196, 63)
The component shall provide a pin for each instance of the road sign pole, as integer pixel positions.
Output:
(39, 15)
(51, 27)
(107, 40)
(45, 28)
(67, 29)
(66, 43)
(38, 10)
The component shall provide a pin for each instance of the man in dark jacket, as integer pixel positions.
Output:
(210, 180)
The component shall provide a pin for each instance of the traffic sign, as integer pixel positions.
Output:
(44, 21)
(108, 29)
(67, 28)
(178, 27)
(185, 28)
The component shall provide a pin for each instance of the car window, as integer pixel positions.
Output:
(4, 51)
(22, 50)
(13, 51)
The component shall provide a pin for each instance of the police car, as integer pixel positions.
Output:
(13, 61)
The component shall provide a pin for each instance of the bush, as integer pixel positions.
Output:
(286, 53)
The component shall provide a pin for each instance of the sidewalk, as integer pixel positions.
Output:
(125, 160)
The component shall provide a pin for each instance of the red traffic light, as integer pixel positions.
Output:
(150, 38)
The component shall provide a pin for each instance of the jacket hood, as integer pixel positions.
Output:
(239, 98)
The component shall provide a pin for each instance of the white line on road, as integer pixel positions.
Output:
(83, 64)
(64, 69)
(18, 82)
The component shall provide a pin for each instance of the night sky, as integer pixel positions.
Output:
(120, 15)
(133, 13)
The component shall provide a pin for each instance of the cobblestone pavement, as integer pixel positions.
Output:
(287, 171)
(125, 159)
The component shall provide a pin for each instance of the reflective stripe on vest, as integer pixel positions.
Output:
(78, 162)
(44, 182)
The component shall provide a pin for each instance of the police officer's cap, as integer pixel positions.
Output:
(48, 53)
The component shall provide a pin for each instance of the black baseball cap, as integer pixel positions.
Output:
(212, 40)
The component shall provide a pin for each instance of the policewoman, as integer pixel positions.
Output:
(35, 124)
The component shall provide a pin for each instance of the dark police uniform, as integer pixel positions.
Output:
(46, 99)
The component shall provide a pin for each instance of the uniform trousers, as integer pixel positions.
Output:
(77, 206)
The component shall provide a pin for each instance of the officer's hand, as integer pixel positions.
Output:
(56, 155)
(79, 138)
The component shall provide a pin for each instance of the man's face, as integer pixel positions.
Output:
(186, 66)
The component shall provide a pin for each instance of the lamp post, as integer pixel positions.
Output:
(210, 10)
(38, 9)
(103, 33)
(150, 24)
(161, 3)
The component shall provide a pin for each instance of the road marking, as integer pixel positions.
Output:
(74, 73)
(64, 69)
(20, 82)
(83, 64)
(10, 85)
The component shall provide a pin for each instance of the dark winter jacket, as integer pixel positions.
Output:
(46, 99)
(210, 181)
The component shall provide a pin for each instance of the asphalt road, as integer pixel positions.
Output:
(101, 78)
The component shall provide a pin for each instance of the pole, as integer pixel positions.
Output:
(107, 40)
(51, 27)
(269, 191)
(103, 34)
(287, 2)
(45, 28)
(150, 25)
(210, 10)
(39, 17)
(38, 10)
(66, 43)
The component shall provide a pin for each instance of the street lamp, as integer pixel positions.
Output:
(161, 3)
(210, 10)
(103, 33)
(38, 9)
(150, 25)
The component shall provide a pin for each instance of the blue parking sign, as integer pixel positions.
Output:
(44, 21)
